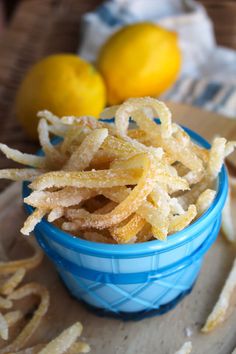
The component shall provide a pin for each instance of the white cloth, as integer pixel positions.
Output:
(202, 58)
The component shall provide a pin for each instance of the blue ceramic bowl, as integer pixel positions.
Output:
(138, 280)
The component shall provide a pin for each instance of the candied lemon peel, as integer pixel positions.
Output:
(119, 183)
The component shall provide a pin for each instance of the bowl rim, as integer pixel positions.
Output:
(173, 241)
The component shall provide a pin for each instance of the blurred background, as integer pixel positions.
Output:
(222, 13)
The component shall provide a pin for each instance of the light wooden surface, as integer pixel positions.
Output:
(207, 124)
(158, 335)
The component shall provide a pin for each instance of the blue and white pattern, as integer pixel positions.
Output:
(208, 76)
(212, 96)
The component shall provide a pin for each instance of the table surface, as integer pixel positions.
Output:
(40, 28)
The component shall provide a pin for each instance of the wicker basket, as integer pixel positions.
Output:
(223, 15)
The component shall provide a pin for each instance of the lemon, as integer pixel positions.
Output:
(139, 60)
(64, 84)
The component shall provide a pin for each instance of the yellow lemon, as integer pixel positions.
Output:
(139, 60)
(64, 84)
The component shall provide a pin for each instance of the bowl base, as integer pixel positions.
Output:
(137, 316)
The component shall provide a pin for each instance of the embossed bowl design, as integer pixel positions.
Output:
(136, 280)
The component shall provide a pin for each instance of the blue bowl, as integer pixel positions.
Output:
(138, 280)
